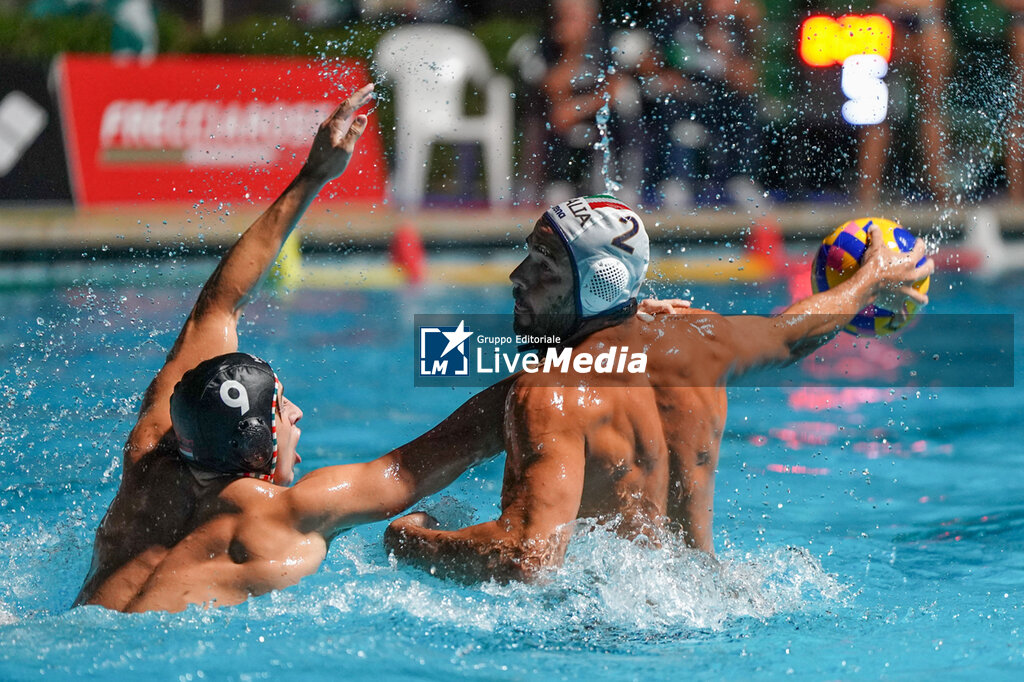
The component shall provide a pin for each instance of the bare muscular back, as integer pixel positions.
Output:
(167, 542)
(650, 443)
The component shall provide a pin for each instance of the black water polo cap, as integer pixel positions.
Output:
(224, 413)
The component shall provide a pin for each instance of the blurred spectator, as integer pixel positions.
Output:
(1015, 130)
(700, 90)
(922, 39)
(576, 86)
(319, 13)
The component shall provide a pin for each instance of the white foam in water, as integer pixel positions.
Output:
(607, 583)
(612, 581)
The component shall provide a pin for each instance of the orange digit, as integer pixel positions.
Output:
(825, 41)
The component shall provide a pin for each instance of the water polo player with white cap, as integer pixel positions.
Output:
(634, 449)
(592, 279)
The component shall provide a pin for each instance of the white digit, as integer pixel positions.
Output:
(862, 83)
(241, 401)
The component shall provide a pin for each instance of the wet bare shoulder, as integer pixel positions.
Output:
(690, 349)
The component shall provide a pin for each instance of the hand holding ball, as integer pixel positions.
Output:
(841, 254)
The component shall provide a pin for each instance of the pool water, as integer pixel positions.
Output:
(862, 532)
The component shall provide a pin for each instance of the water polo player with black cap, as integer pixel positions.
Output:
(224, 414)
(201, 515)
(635, 450)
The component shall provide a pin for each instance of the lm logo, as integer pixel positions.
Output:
(444, 351)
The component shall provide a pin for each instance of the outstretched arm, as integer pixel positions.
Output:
(753, 342)
(333, 499)
(542, 492)
(211, 327)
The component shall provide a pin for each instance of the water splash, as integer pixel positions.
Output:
(609, 589)
(604, 145)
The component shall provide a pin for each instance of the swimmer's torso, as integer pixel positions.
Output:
(162, 546)
(650, 445)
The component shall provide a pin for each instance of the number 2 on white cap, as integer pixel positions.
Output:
(241, 400)
(620, 241)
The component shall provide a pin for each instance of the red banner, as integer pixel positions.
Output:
(205, 129)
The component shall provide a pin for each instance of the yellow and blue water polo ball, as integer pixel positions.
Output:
(839, 257)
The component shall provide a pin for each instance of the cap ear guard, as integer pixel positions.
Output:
(273, 438)
(605, 285)
(253, 444)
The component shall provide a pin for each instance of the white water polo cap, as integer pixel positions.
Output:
(609, 249)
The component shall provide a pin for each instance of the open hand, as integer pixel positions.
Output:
(336, 138)
(895, 272)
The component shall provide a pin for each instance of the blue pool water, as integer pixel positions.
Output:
(862, 532)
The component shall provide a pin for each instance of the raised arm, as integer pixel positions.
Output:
(541, 499)
(211, 327)
(753, 342)
(332, 499)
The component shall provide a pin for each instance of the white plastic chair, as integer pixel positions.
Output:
(430, 66)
